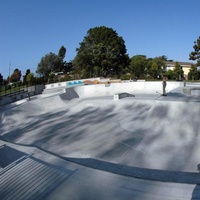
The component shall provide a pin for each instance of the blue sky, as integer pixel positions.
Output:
(29, 29)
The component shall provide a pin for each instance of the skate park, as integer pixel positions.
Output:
(140, 134)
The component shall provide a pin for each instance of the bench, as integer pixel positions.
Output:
(122, 95)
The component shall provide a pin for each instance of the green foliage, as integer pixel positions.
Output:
(193, 74)
(65, 78)
(30, 78)
(142, 67)
(195, 55)
(154, 70)
(137, 65)
(28, 71)
(178, 72)
(16, 76)
(61, 53)
(1, 79)
(170, 74)
(17, 84)
(49, 63)
(7, 87)
(101, 47)
(52, 63)
(51, 77)
(160, 61)
(126, 77)
(68, 67)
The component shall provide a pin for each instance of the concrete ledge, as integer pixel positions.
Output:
(193, 91)
(136, 172)
(121, 95)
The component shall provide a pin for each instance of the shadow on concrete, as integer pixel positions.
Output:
(32, 179)
(149, 174)
(177, 96)
(196, 192)
(9, 155)
(123, 136)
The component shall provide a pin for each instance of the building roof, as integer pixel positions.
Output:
(181, 63)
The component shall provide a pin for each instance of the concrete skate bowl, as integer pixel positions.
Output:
(151, 134)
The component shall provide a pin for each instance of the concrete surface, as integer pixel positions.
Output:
(41, 175)
(147, 136)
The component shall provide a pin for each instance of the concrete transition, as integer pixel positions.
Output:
(142, 135)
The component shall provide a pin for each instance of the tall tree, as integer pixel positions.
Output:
(52, 62)
(29, 78)
(195, 55)
(16, 76)
(102, 49)
(154, 70)
(179, 73)
(1, 79)
(49, 63)
(61, 53)
(193, 74)
(28, 71)
(137, 65)
(164, 57)
(68, 67)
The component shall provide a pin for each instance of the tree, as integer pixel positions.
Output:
(179, 73)
(195, 55)
(16, 76)
(154, 70)
(28, 71)
(170, 74)
(164, 57)
(61, 55)
(1, 79)
(137, 65)
(29, 78)
(52, 63)
(155, 66)
(102, 48)
(49, 63)
(193, 74)
(160, 61)
(68, 67)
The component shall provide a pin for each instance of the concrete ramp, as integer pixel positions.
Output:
(151, 134)
(161, 133)
(69, 94)
(130, 87)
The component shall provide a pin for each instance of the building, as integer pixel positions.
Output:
(186, 66)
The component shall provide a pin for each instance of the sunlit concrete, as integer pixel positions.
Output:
(144, 131)
(45, 176)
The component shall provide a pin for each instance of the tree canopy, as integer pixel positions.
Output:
(195, 55)
(1, 79)
(137, 65)
(16, 76)
(51, 62)
(179, 74)
(141, 66)
(102, 52)
(193, 73)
